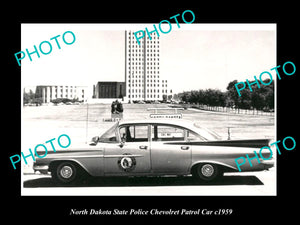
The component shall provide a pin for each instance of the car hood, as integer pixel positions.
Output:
(73, 150)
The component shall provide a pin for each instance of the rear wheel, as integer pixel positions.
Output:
(207, 171)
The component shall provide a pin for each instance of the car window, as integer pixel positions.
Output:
(206, 134)
(167, 133)
(192, 136)
(134, 133)
(109, 135)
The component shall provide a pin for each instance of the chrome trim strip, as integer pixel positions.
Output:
(91, 156)
(118, 156)
(74, 156)
(44, 167)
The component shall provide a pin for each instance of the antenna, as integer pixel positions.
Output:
(87, 119)
(228, 133)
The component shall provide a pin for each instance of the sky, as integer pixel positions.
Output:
(192, 57)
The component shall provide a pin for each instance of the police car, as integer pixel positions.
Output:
(153, 147)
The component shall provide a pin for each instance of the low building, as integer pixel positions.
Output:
(50, 92)
(109, 90)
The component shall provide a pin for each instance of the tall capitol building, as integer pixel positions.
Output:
(142, 68)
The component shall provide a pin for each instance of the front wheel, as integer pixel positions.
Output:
(207, 171)
(65, 172)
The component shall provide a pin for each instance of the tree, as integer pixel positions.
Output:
(259, 98)
(232, 94)
(269, 97)
(28, 97)
(37, 101)
(165, 98)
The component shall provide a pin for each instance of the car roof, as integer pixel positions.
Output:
(178, 122)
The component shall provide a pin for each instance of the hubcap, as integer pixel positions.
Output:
(66, 172)
(207, 170)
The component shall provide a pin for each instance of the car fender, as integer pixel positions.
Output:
(53, 162)
(212, 162)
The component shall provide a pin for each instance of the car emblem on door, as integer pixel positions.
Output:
(127, 163)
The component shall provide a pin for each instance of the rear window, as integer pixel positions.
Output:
(206, 134)
(167, 133)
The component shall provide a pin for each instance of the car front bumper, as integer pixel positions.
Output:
(41, 168)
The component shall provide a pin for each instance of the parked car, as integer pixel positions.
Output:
(152, 147)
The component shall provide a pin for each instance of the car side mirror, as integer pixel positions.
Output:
(122, 143)
(95, 140)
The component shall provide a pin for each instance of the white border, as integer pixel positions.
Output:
(156, 190)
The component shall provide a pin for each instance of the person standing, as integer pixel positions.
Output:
(113, 107)
(116, 110)
(119, 107)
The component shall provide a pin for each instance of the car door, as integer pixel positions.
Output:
(170, 153)
(132, 155)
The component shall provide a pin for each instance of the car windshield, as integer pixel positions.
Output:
(109, 135)
(206, 134)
